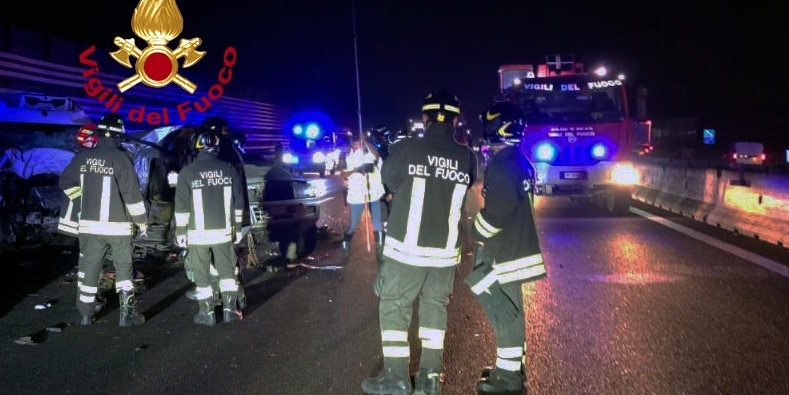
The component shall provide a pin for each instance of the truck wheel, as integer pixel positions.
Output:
(306, 242)
(618, 201)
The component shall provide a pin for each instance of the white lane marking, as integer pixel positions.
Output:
(766, 263)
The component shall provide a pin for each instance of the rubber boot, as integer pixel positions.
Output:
(427, 382)
(501, 381)
(230, 311)
(346, 245)
(393, 380)
(486, 371)
(86, 319)
(380, 236)
(128, 312)
(205, 315)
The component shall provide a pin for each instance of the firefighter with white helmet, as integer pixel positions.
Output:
(510, 254)
(111, 204)
(429, 178)
(209, 206)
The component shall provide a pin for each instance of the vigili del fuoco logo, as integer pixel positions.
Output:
(157, 22)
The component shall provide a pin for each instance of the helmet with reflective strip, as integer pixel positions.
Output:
(87, 135)
(111, 124)
(441, 106)
(206, 141)
(503, 122)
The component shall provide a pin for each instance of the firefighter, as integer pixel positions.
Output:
(111, 203)
(429, 178)
(365, 189)
(230, 149)
(209, 207)
(509, 252)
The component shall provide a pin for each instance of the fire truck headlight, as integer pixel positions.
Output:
(624, 174)
(545, 152)
(599, 151)
(318, 157)
(313, 131)
(290, 158)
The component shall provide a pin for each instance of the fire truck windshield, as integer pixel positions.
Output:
(569, 100)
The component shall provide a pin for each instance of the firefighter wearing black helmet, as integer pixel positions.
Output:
(429, 178)
(110, 204)
(209, 206)
(509, 255)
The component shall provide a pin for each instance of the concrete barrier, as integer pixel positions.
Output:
(752, 204)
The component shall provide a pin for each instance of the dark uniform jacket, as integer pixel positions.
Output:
(106, 183)
(429, 177)
(506, 224)
(209, 201)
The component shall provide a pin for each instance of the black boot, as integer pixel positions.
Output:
(230, 312)
(486, 371)
(346, 245)
(128, 312)
(380, 236)
(86, 319)
(501, 381)
(389, 382)
(427, 382)
(205, 315)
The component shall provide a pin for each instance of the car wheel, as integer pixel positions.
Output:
(306, 242)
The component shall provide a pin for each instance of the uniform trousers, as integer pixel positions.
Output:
(503, 303)
(402, 285)
(224, 259)
(92, 250)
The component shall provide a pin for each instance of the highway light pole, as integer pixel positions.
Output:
(356, 63)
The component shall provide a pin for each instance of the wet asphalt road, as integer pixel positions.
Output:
(629, 307)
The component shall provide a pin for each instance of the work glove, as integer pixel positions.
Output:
(239, 236)
(378, 283)
(478, 255)
(143, 229)
(180, 240)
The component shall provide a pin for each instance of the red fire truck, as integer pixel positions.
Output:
(582, 129)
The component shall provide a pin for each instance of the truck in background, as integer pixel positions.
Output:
(582, 129)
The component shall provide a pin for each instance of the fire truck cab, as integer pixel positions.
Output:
(581, 130)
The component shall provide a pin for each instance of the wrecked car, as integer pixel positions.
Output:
(283, 210)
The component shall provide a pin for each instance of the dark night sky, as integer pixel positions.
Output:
(300, 54)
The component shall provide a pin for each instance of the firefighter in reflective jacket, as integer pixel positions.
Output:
(509, 254)
(209, 206)
(429, 177)
(110, 204)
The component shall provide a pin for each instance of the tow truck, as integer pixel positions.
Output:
(582, 129)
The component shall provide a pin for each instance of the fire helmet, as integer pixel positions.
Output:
(503, 122)
(206, 141)
(87, 135)
(441, 106)
(214, 124)
(111, 124)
